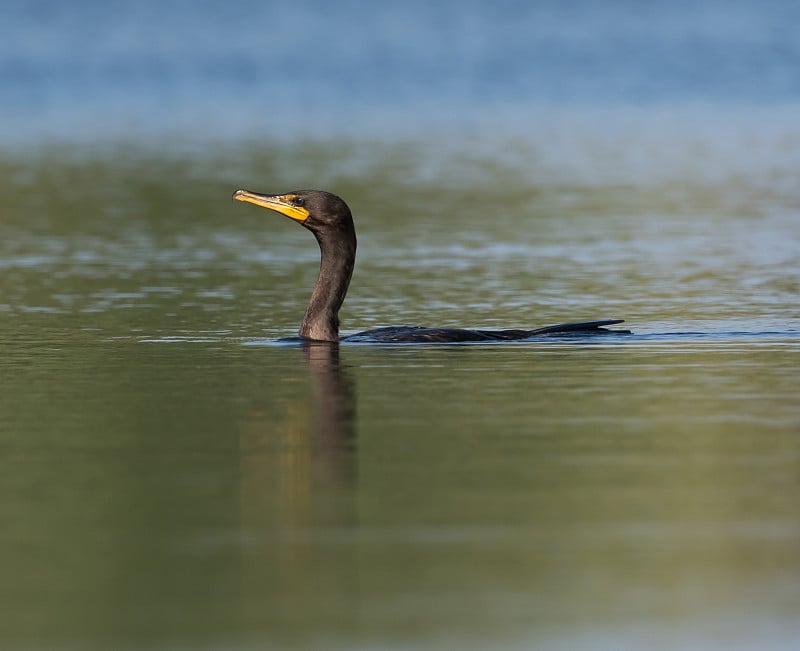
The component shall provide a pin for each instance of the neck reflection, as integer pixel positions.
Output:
(333, 406)
(298, 445)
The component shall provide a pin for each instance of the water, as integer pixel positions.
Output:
(286, 68)
(174, 474)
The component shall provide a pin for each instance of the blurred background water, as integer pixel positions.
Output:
(172, 476)
(276, 68)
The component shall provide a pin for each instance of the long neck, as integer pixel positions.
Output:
(338, 256)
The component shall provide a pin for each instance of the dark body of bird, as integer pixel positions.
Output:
(329, 218)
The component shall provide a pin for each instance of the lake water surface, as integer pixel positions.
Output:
(177, 473)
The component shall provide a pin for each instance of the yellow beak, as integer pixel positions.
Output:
(282, 203)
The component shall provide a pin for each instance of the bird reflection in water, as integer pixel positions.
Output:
(334, 406)
(298, 487)
(299, 461)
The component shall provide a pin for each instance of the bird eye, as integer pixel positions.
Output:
(298, 201)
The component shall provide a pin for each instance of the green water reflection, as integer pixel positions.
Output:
(172, 478)
(159, 494)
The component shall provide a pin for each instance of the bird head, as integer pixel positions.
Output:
(317, 210)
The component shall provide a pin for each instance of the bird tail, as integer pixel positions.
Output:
(583, 326)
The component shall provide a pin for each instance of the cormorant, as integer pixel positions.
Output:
(328, 217)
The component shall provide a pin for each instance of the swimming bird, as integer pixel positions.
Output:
(329, 218)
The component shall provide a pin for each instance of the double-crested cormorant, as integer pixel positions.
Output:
(328, 217)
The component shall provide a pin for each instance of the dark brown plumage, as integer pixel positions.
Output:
(328, 217)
